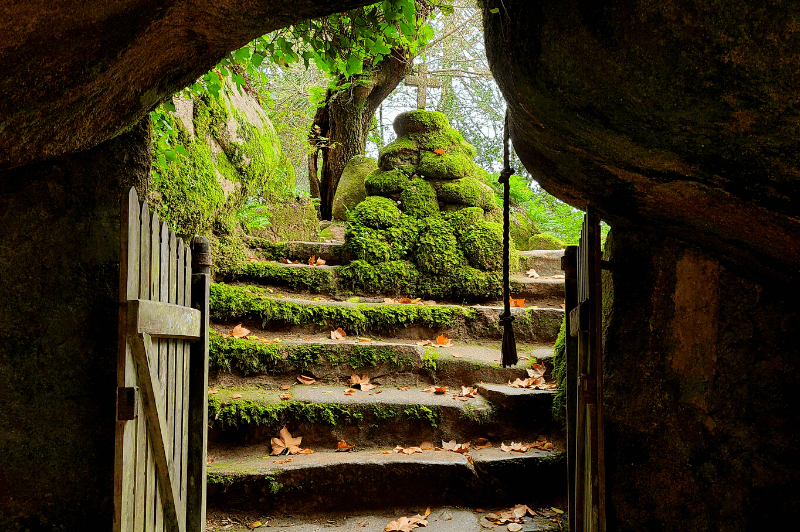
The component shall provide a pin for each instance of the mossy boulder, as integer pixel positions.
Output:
(419, 199)
(467, 191)
(521, 230)
(401, 154)
(376, 212)
(446, 165)
(545, 241)
(438, 251)
(483, 245)
(420, 121)
(386, 182)
(351, 190)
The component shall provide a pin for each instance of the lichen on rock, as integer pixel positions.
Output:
(351, 188)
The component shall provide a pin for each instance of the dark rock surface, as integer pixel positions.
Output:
(677, 116)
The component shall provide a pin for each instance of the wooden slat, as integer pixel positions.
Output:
(141, 424)
(173, 346)
(163, 320)
(177, 425)
(155, 413)
(187, 301)
(125, 432)
(163, 346)
(155, 284)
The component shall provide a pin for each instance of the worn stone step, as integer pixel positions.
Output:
(305, 278)
(529, 407)
(248, 479)
(331, 252)
(384, 416)
(547, 263)
(306, 316)
(262, 358)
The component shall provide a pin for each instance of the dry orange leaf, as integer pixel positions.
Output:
(405, 524)
(285, 261)
(467, 391)
(364, 340)
(284, 461)
(440, 389)
(286, 396)
(426, 446)
(236, 396)
(286, 443)
(443, 341)
(312, 260)
(458, 355)
(355, 380)
(404, 300)
(482, 443)
(403, 388)
(239, 332)
(438, 151)
(517, 302)
(254, 524)
(304, 379)
(407, 450)
(455, 447)
(424, 342)
(213, 391)
(338, 334)
(431, 389)
(350, 392)
(285, 387)
(516, 447)
(389, 301)
(416, 300)
(320, 262)
(343, 447)
(523, 357)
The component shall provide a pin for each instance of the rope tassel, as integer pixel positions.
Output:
(509, 348)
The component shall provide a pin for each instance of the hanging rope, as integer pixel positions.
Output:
(509, 349)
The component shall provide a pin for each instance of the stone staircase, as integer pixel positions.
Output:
(291, 310)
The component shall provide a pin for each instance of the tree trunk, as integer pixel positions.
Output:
(341, 126)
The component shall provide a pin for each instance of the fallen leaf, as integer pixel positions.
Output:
(466, 391)
(312, 260)
(239, 332)
(455, 447)
(516, 447)
(440, 389)
(404, 524)
(366, 387)
(517, 302)
(424, 342)
(482, 443)
(523, 357)
(416, 300)
(376, 391)
(213, 391)
(285, 461)
(361, 381)
(403, 388)
(285, 387)
(429, 303)
(407, 450)
(236, 396)
(285, 261)
(286, 396)
(557, 510)
(252, 259)
(431, 389)
(532, 273)
(286, 442)
(364, 340)
(306, 451)
(426, 446)
(559, 276)
(304, 379)
(343, 447)
(438, 151)
(350, 392)
(458, 355)
(336, 335)
(389, 301)
(320, 262)
(563, 306)
(443, 341)
(254, 524)
(404, 300)
(362, 525)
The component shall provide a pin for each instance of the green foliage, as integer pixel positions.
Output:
(233, 302)
(560, 373)
(376, 212)
(418, 199)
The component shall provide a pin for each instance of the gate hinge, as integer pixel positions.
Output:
(127, 403)
(588, 388)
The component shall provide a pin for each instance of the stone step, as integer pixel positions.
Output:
(231, 304)
(383, 416)
(244, 361)
(542, 291)
(546, 262)
(441, 519)
(249, 479)
(330, 252)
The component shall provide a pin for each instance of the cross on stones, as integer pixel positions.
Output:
(421, 81)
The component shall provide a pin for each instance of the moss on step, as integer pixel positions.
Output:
(390, 278)
(239, 413)
(231, 302)
(560, 373)
(317, 280)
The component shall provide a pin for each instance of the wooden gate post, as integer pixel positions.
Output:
(198, 388)
(569, 264)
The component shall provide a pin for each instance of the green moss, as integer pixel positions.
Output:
(402, 154)
(467, 191)
(228, 253)
(437, 250)
(560, 373)
(316, 280)
(463, 219)
(521, 230)
(545, 241)
(233, 302)
(446, 166)
(423, 413)
(430, 360)
(418, 199)
(420, 121)
(370, 245)
(391, 278)
(385, 183)
(376, 212)
(483, 245)
(351, 189)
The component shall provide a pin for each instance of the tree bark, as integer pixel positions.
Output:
(341, 126)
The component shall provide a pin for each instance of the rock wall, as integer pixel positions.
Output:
(701, 372)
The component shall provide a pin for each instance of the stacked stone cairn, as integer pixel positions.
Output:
(430, 225)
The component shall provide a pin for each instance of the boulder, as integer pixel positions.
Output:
(351, 190)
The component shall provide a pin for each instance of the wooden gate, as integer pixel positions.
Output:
(582, 267)
(162, 376)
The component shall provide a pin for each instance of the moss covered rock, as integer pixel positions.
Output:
(521, 230)
(467, 191)
(418, 199)
(376, 212)
(545, 241)
(483, 245)
(446, 166)
(420, 121)
(438, 251)
(386, 182)
(351, 190)
(401, 154)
